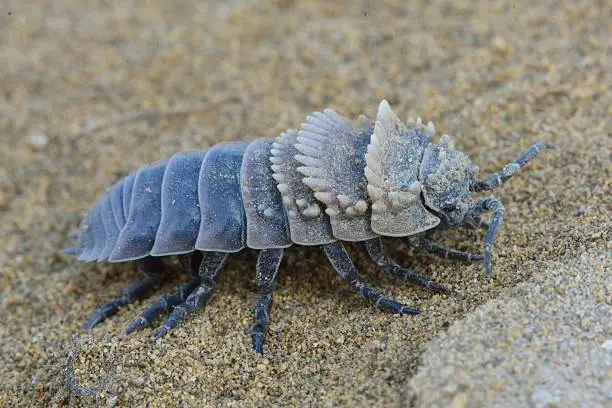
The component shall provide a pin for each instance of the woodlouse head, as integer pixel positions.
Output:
(446, 173)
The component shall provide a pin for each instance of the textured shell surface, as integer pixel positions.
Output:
(393, 161)
(265, 217)
(308, 223)
(446, 173)
(333, 162)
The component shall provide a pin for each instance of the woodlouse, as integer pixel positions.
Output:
(326, 183)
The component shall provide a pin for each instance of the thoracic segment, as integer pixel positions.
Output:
(180, 221)
(266, 222)
(223, 221)
(393, 160)
(333, 167)
(308, 224)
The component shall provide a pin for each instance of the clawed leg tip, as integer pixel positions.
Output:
(136, 325)
(438, 287)
(488, 272)
(258, 339)
(91, 323)
(161, 332)
(410, 311)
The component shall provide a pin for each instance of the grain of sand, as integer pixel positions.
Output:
(94, 89)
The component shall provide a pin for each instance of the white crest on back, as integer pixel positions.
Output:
(393, 159)
(308, 224)
(333, 162)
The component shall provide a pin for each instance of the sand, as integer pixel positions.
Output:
(545, 343)
(93, 90)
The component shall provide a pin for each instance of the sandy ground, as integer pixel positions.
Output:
(545, 343)
(91, 90)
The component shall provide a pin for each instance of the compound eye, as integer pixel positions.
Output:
(448, 207)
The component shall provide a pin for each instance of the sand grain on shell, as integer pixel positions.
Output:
(93, 90)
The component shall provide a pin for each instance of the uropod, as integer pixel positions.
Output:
(320, 185)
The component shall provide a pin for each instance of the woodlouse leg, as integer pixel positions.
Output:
(497, 179)
(211, 266)
(377, 254)
(191, 262)
(497, 208)
(443, 252)
(163, 304)
(474, 222)
(267, 267)
(151, 272)
(342, 264)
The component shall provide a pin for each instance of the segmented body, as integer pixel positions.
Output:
(324, 183)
